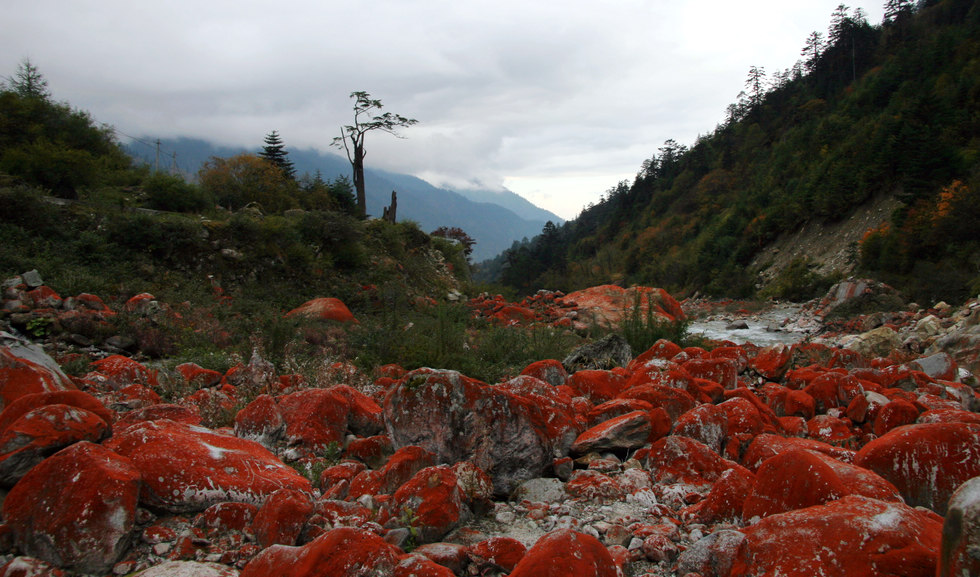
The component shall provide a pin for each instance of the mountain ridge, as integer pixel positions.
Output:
(493, 225)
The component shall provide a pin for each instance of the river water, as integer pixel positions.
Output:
(777, 325)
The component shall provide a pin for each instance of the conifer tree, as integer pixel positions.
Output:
(275, 152)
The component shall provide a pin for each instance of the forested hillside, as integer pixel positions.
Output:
(892, 109)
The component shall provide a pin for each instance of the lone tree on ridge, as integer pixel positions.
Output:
(352, 138)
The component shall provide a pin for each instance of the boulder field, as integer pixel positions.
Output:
(791, 460)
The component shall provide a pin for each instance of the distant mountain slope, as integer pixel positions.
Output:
(494, 219)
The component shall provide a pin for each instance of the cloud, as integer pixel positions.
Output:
(540, 95)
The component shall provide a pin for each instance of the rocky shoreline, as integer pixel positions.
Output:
(843, 453)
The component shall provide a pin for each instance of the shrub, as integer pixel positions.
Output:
(172, 193)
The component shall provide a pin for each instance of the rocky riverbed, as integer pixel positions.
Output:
(842, 450)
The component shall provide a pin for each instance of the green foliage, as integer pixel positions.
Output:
(173, 193)
(890, 110)
(642, 327)
(50, 145)
(798, 282)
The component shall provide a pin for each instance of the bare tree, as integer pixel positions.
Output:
(352, 137)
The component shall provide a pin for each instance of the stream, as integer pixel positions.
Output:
(780, 324)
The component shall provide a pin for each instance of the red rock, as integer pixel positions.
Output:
(261, 421)
(629, 431)
(42, 432)
(315, 419)
(198, 376)
(926, 462)
(215, 406)
(725, 501)
(402, 466)
(895, 414)
(512, 315)
(829, 429)
(138, 396)
(799, 404)
(500, 553)
(596, 385)
(767, 445)
(799, 478)
(432, 503)
(832, 389)
(854, 535)
(91, 302)
(176, 413)
(371, 450)
(20, 375)
(364, 417)
(592, 485)
(27, 403)
(676, 459)
(280, 520)
(324, 309)
(450, 555)
(675, 401)
(772, 362)
(961, 532)
(565, 552)
(344, 471)
(550, 371)
(615, 408)
(29, 567)
(188, 468)
(949, 416)
(512, 431)
(342, 552)
(138, 302)
(707, 424)
(743, 417)
(91, 529)
(661, 350)
(413, 565)
(44, 297)
(117, 371)
(224, 517)
(723, 371)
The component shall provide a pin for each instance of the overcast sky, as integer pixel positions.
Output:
(557, 101)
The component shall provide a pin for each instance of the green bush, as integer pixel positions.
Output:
(799, 282)
(172, 193)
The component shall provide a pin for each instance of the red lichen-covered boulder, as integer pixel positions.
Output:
(771, 363)
(721, 370)
(261, 421)
(566, 552)
(315, 419)
(961, 532)
(894, 414)
(413, 565)
(29, 567)
(799, 478)
(228, 516)
(855, 535)
(27, 403)
(76, 509)
(364, 417)
(676, 459)
(188, 468)
(629, 431)
(118, 371)
(198, 376)
(42, 432)
(400, 467)
(177, 413)
(596, 385)
(725, 501)
(432, 503)
(324, 309)
(342, 552)
(926, 462)
(496, 553)
(26, 369)
(705, 423)
(550, 371)
(767, 445)
(834, 430)
(675, 401)
(280, 520)
(513, 432)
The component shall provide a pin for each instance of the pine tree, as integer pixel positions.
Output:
(275, 152)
